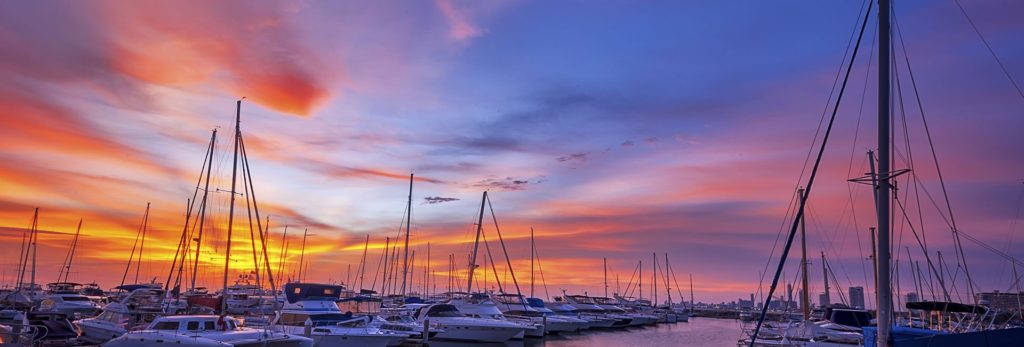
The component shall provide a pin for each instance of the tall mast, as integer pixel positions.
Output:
(692, 303)
(408, 223)
(283, 252)
(805, 301)
(884, 296)
(606, 277)
(362, 263)
(533, 250)
(476, 244)
(668, 289)
(231, 208)
(202, 207)
(654, 280)
(35, 248)
(640, 279)
(824, 276)
(142, 246)
(302, 253)
(66, 270)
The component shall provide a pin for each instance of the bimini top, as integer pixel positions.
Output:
(945, 307)
(311, 291)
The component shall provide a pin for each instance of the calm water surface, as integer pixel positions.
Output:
(697, 332)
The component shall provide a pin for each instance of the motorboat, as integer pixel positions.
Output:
(561, 308)
(515, 307)
(139, 307)
(205, 331)
(66, 298)
(481, 305)
(314, 307)
(459, 326)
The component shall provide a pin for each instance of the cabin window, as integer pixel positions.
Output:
(165, 325)
(192, 326)
(293, 319)
(209, 325)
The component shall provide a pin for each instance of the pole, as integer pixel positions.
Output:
(606, 277)
(231, 209)
(533, 247)
(408, 222)
(476, 244)
(884, 290)
(805, 301)
(824, 276)
(202, 208)
(302, 253)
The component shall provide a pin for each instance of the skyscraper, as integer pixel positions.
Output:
(857, 297)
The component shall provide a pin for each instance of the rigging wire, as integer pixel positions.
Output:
(810, 180)
(990, 50)
(814, 140)
(938, 169)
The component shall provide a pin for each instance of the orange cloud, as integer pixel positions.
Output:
(241, 49)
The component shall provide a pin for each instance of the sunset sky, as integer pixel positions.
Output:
(613, 128)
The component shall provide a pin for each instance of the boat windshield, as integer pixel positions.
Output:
(444, 311)
(166, 325)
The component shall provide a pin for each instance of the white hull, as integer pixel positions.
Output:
(99, 333)
(478, 333)
(354, 340)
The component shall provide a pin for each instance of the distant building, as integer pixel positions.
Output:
(1004, 302)
(912, 297)
(823, 300)
(857, 297)
(746, 304)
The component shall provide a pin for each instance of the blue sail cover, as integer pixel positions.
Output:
(311, 291)
(535, 302)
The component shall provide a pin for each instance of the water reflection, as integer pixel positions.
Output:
(698, 332)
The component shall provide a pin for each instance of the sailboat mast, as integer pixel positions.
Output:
(202, 208)
(668, 289)
(35, 249)
(692, 303)
(826, 300)
(606, 277)
(142, 246)
(408, 223)
(805, 301)
(71, 254)
(654, 280)
(231, 208)
(302, 253)
(533, 250)
(476, 244)
(884, 296)
(362, 263)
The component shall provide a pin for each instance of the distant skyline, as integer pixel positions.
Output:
(614, 129)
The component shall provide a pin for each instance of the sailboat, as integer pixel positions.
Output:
(212, 330)
(887, 333)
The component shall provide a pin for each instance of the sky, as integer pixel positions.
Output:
(614, 129)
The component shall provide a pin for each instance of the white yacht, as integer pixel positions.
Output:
(517, 307)
(458, 326)
(66, 298)
(205, 331)
(314, 307)
(588, 308)
(139, 307)
(480, 305)
(562, 308)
